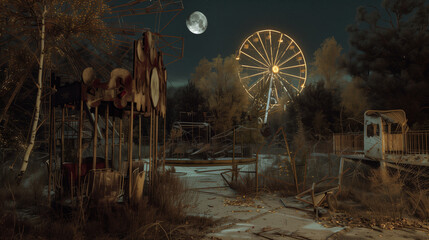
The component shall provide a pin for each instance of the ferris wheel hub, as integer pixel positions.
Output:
(275, 69)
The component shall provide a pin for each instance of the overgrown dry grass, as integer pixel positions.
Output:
(270, 180)
(379, 197)
(370, 196)
(24, 215)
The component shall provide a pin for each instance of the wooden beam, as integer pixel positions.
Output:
(94, 147)
(106, 137)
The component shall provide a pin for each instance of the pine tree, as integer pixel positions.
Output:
(390, 54)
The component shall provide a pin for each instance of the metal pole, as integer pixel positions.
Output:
(80, 141)
(94, 147)
(113, 140)
(106, 138)
(130, 151)
(120, 145)
(268, 100)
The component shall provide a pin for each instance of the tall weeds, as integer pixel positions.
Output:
(160, 215)
(388, 195)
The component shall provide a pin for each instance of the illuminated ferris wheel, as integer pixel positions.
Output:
(273, 68)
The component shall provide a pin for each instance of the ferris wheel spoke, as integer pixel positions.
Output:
(294, 66)
(291, 75)
(290, 84)
(255, 67)
(286, 90)
(265, 50)
(256, 83)
(265, 60)
(254, 75)
(287, 60)
(271, 48)
(254, 59)
(287, 48)
(275, 90)
(278, 47)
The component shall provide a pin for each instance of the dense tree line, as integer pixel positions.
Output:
(387, 67)
(390, 54)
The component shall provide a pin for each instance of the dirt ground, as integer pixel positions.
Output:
(265, 216)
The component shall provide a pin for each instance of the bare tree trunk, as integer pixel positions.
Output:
(12, 97)
(38, 101)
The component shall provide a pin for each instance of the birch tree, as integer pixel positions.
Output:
(52, 27)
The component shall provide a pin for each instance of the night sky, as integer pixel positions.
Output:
(308, 22)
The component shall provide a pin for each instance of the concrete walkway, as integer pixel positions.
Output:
(265, 217)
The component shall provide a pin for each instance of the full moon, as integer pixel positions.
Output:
(197, 22)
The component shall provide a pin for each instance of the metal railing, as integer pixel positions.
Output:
(348, 143)
(413, 142)
(417, 142)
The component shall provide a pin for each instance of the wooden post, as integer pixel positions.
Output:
(241, 148)
(113, 140)
(234, 167)
(156, 142)
(140, 138)
(106, 138)
(120, 145)
(54, 147)
(71, 187)
(292, 161)
(163, 153)
(63, 156)
(62, 136)
(150, 147)
(50, 155)
(256, 172)
(130, 151)
(80, 142)
(94, 147)
(340, 173)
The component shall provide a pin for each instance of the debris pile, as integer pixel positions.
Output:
(345, 220)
